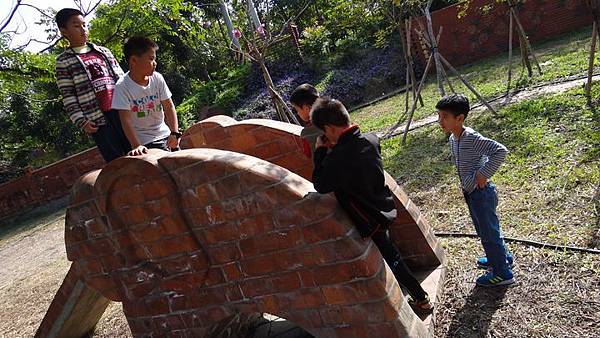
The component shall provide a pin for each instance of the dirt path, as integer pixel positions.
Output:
(522, 95)
(33, 265)
(26, 253)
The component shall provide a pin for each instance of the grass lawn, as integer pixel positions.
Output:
(549, 191)
(547, 186)
(561, 57)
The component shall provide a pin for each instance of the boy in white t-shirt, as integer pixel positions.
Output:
(144, 102)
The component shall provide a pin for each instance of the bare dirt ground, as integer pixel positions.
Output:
(556, 295)
(34, 264)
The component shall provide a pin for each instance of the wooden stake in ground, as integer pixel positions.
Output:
(431, 42)
(433, 45)
(595, 7)
(411, 79)
(525, 46)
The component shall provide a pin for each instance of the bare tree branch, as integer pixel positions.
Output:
(51, 45)
(285, 24)
(10, 16)
(89, 8)
(95, 6)
(41, 11)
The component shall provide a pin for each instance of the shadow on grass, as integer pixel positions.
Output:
(474, 318)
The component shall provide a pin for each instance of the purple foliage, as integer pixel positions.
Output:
(366, 76)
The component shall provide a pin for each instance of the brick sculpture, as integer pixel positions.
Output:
(187, 240)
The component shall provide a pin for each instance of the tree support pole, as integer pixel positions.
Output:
(415, 100)
(510, 52)
(453, 70)
(588, 85)
(525, 40)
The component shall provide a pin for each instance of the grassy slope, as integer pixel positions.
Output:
(547, 184)
(548, 191)
(565, 56)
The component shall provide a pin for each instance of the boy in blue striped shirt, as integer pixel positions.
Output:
(477, 158)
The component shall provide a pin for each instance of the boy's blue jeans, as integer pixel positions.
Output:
(482, 203)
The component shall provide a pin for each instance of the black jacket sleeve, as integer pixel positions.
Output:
(326, 171)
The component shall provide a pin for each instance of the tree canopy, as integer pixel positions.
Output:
(196, 58)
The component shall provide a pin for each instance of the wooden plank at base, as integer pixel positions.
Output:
(74, 311)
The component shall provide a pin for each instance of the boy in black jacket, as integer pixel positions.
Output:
(349, 164)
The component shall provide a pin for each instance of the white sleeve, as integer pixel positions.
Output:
(119, 99)
(163, 89)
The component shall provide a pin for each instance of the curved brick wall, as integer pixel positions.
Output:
(186, 240)
(280, 143)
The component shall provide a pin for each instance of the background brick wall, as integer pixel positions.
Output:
(479, 35)
(46, 184)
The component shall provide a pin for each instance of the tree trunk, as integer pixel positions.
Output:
(271, 88)
(252, 14)
(229, 24)
(588, 85)
(436, 58)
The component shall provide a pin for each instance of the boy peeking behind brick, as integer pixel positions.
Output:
(348, 163)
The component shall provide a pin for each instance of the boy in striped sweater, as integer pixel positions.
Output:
(477, 158)
(86, 75)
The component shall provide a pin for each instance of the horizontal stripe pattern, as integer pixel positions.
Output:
(75, 85)
(473, 153)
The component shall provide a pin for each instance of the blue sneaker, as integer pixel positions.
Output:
(489, 279)
(483, 263)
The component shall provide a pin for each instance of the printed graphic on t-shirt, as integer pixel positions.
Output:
(102, 81)
(146, 106)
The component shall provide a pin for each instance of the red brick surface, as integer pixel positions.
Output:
(188, 239)
(44, 185)
(481, 34)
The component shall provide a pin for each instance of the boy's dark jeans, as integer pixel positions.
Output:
(393, 258)
(482, 203)
(110, 138)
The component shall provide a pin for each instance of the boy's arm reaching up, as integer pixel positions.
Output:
(495, 151)
(171, 121)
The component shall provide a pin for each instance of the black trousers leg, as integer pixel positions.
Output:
(402, 273)
(110, 138)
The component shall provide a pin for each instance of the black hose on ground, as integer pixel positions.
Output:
(525, 241)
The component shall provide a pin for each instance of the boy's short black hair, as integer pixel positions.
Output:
(138, 45)
(304, 94)
(64, 15)
(456, 104)
(329, 112)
